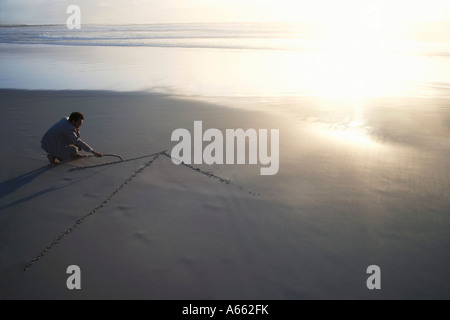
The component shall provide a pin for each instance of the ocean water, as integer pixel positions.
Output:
(220, 36)
(228, 60)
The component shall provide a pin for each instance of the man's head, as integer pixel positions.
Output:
(76, 118)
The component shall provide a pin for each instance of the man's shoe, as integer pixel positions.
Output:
(51, 159)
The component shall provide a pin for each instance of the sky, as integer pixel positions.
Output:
(185, 11)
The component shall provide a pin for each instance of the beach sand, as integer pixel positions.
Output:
(343, 200)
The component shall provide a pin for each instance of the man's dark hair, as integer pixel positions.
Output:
(75, 116)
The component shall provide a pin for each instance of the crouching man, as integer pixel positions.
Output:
(62, 141)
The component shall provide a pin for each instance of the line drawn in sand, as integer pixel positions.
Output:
(135, 173)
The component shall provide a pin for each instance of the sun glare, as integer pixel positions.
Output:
(359, 59)
(355, 133)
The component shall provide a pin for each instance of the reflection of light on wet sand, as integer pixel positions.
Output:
(353, 129)
(355, 133)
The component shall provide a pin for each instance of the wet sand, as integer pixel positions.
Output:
(347, 196)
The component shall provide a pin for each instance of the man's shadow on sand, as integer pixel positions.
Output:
(9, 186)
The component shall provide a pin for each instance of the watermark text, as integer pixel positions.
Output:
(229, 148)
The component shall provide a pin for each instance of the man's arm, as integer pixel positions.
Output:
(74, 136)
(76, 140)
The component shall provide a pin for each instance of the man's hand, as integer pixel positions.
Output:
(98, 155)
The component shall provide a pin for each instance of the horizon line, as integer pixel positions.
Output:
(194, 22)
